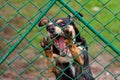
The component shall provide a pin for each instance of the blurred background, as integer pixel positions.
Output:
(27, 61)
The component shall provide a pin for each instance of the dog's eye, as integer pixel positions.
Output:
(61, 24)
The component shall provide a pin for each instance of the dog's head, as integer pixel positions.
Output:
(58, 29)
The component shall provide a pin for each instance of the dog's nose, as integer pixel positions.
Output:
(51, 30)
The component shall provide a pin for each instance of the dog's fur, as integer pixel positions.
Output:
(69, 60)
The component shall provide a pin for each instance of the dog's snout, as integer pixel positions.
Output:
(51, 30)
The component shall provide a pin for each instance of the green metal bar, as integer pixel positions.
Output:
(27, 31)
(90, 27)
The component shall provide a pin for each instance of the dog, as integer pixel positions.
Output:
(66, 49)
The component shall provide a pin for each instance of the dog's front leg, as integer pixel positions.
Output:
(50, 60)
(45, 44)
(75, 51)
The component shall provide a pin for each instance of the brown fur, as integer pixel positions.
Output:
(66, 65)
(75, 51)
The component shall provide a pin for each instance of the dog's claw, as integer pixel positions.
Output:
(45, 39)
(42, 44)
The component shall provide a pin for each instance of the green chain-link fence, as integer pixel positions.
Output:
(21, 57)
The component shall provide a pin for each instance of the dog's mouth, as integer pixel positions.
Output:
(61, 45)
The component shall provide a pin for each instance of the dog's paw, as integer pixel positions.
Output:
(68, 42)
(68, 36)
(45, 43)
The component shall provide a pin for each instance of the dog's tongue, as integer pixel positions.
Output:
(60, 42)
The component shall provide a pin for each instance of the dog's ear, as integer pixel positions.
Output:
(75, 18)
(43, 22)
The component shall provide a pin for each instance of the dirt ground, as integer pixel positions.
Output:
(97, 66)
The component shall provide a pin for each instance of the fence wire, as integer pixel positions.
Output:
(21, 56)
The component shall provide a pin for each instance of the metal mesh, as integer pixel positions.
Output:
(22, 58)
